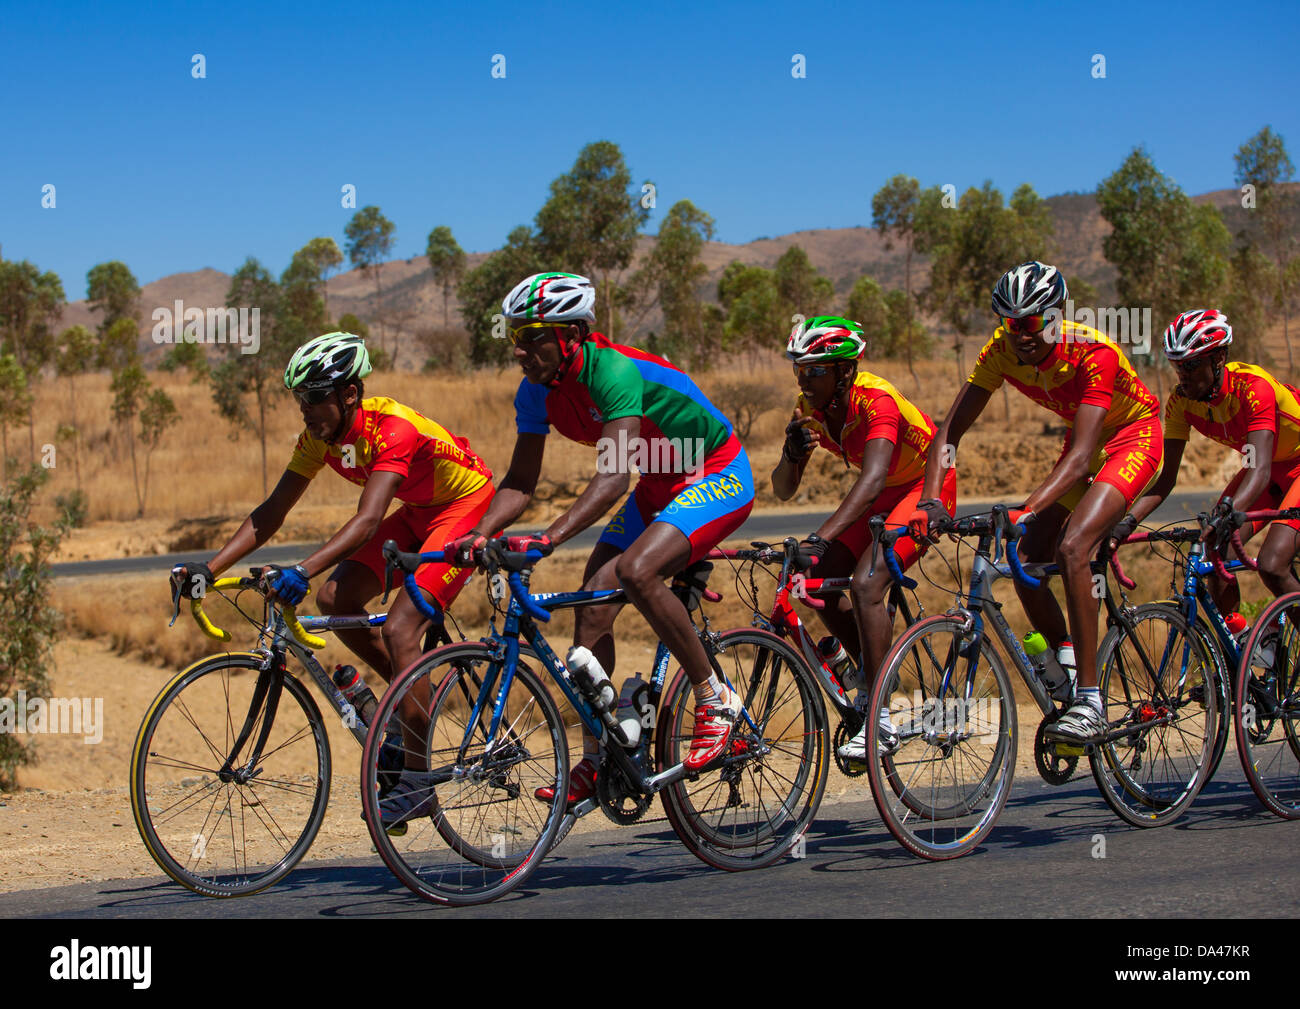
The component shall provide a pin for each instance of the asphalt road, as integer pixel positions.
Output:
(767, 526)
(1227, 857)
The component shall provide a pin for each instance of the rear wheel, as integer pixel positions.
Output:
(754, 808)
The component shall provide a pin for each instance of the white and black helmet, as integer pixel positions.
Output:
(552, 297)
(327, 361)
(1030, 289)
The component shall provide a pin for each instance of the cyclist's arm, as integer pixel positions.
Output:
(1073, 466)
(1257, 475)
(262, 523)
(517, 486)
(376, 496)
(965, 410)
(605, 489)
(1158, 491)
(788, 475)
(867, 487)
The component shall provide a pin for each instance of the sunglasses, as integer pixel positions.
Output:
(1187, 366)
(530, 332)
(1026, 324)
(813, 370)
(313, 397)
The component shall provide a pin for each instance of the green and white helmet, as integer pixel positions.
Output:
(552, 297)
(825, 338)
(327, 361)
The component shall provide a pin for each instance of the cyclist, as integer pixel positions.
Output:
(863, 420)
(391, 451)
(1247, 409)
(695, 487)
(1112, 452)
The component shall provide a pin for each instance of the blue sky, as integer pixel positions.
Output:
(169, 173)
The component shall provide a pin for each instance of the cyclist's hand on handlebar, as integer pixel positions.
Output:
(799, 441)
(533, 541)
(930, 517)
(1124, 528)
(191, 581)
(461, 551)
(810, 552)
(1020, 516)
(289, 585)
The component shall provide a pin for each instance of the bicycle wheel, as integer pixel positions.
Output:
(1222, 680)
(482, 832)
(941, 791)
(232, 834)
(1158, 681)
(758, 804)
(1265, 722)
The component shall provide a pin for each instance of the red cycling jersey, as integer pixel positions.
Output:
(1083, 369)
(1250, 400)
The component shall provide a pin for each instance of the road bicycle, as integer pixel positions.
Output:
(493, 736)
(942, 783)
(230, 771)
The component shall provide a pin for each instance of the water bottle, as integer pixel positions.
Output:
(833, 653)
(632, 703)
(354, 688)
(1046, 665)
(587, 670)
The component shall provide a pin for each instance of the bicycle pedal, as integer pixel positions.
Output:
(397, 830)
(1066, 750)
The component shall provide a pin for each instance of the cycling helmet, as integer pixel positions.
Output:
(1197, 332)
(825, 338)
(552, 297)
(327, 361)
(1030, 289)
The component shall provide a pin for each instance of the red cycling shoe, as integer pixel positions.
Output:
(713, 724)
(582, 784)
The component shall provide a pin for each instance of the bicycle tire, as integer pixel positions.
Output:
(484, 832)
(1150, 777)
(781, 787)
(1223, 679)
(245, 842)
(1270, 746)
(941, 791)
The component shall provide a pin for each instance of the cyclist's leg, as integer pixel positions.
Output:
(696, 520)
(403, 631)
(349, 589)
(1038, 545)
(1227, 595)
(838, 562)
(1282, 543)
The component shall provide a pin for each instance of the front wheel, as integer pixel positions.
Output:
(228, 831)
(475, 829)
(1160, 687)
(1267, 718)
(758, 804)
(941, 785)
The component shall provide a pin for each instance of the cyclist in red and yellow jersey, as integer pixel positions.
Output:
(391, 451)
(862, 419)
(1111, 453)
(1247, 409)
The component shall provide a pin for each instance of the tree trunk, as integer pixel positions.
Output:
(907, 289)
(135, 472)
(446, 298)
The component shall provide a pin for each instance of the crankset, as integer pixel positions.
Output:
(1055, 761)
(849, 768)
(618, 799)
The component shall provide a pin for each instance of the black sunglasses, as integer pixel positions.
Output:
(313, 397)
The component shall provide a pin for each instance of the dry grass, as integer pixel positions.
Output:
(203, 482)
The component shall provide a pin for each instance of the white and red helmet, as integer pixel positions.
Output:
(1197, 332)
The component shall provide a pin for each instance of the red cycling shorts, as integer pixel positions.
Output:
(897, 505)
(1283, 490)
(1128, 460)
(429, 529)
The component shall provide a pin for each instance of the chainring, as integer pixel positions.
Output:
(1053, 768)
(618, 800)
(849, 768)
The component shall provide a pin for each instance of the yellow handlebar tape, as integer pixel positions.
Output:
(290, 618)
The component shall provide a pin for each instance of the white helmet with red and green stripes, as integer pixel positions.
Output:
(825, 338)
(552, 297)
